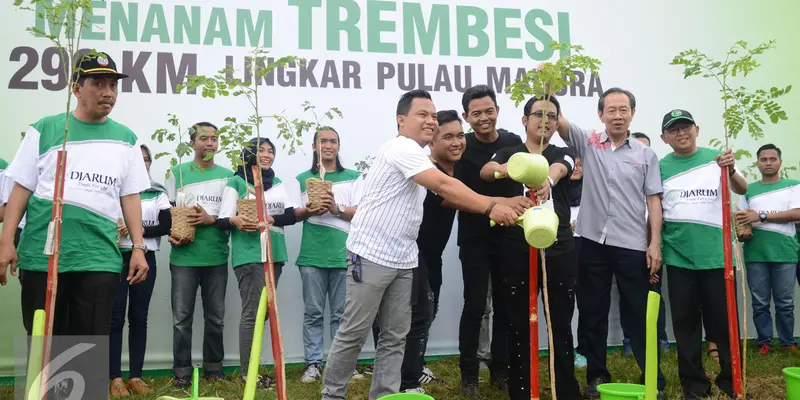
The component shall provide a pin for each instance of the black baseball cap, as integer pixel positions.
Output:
(97, 64)
(675, 116)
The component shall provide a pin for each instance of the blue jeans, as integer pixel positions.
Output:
(212, 282)
(775, 280)
(319, 285)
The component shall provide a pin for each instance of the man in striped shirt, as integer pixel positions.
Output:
(382, 249)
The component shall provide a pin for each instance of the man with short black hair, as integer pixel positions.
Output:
(382, 248)
(105, 171)
(446, 149)
(772, 206)
(693, 256)
(621, 181)
(479, 252)
(561, 259)
(202, 262)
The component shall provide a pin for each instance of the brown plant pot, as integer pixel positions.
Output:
(247, 208)
(316, 188)
(181, 229)
(743, 229)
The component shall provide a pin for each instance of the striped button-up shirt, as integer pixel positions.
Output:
(615, 183)
(385, 228)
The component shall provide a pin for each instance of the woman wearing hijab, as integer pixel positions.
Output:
(246, 239)
(136, 298)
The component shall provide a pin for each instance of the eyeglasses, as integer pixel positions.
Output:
(552, 117)
(675, 131)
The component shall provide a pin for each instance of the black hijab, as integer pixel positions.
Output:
(249, 156)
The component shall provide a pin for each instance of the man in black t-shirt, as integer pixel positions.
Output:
(561, 259)
(479, 248)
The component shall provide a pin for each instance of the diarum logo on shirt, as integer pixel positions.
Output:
(208, 199)
(275, 208)
(92, 181)
(694, 196)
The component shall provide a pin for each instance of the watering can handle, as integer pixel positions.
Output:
(492, 223)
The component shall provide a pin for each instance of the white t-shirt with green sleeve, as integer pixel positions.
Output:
(203, 187)
(103, 165)
(772, 242)
(325, 236)
(246, 246)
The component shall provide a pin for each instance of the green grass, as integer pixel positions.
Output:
(764, 380)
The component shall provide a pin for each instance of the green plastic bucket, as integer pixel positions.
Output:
(621, 391)
(792, 375)
(407, 396)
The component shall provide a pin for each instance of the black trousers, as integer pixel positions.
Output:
(598, 264)
(693, 293)
(136, 301)
(478, 259)
(562, 271)
(417, 338)
(83, 302)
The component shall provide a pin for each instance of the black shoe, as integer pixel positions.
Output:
(263, 381)
(214, 375)
(183, 382)
(470, 390)
(500, 382)
(591, 388)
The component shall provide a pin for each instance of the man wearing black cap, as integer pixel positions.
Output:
(692, 249)
(104, 171)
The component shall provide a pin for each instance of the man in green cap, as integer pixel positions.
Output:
(691, 238)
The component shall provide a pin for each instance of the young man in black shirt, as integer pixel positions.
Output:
(446, 148)
(561, 259)
(479, 245)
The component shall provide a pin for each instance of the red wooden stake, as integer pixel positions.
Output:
(52, 270)
(533, 306)
(730, 287)
(269, 275)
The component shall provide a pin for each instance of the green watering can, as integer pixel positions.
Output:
(792, 375)
(407, 396)
(540, 225)
(527, 168)
(648, 391)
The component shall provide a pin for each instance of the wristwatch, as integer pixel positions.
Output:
(762, 216)
(140, 247)
(339, 210)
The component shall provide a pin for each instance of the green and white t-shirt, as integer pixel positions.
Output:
(692, 209)
(203, 187)
(325, 236)
(772, 242)
(246, 246)
(153, 202)
(6, 185)
(103, 164)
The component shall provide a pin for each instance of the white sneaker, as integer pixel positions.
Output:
(357, 376)
(428, 377)
(312, 373)
(415, 390)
